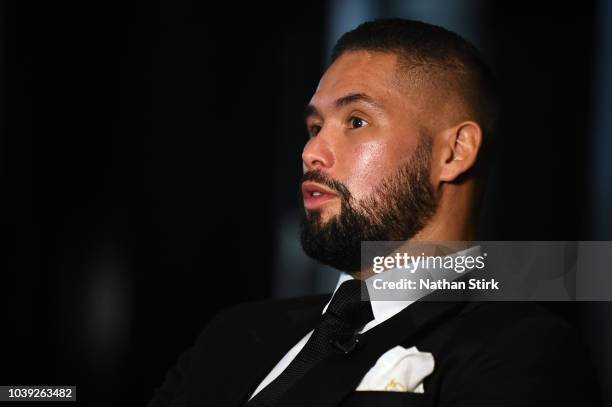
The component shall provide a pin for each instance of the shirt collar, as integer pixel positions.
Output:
(383, 310)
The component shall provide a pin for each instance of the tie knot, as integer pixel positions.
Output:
(348, 305)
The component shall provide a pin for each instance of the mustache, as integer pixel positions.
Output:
(334, 185)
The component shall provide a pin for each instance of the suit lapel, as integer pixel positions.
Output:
(335, 378)
(264, 347)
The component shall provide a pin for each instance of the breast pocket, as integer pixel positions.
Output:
(386, 399)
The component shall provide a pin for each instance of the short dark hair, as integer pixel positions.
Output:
(438, 51)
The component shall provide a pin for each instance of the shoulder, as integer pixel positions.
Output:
(523, 347)
(272, 306)
(498, 320)
(505, 312)
(250, 314)
(507, 329)
(509, 353)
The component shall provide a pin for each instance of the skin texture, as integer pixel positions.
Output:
(361, 143)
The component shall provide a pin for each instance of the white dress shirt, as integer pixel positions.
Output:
(382, 311)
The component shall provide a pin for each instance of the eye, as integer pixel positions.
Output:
(357, 122)
(314, 130)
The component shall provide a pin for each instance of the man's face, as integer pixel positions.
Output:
(367, 162)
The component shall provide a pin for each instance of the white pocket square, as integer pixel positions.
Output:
(399, 369)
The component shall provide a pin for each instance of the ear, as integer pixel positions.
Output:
(460, 150)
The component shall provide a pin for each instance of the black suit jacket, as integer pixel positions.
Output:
(486, 354)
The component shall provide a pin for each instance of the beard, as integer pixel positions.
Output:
(396, 210)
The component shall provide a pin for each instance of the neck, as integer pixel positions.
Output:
(455, 217)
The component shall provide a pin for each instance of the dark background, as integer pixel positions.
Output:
(151, 150)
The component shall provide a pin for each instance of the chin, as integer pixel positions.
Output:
(323, 215)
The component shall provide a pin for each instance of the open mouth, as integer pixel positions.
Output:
(316, 194)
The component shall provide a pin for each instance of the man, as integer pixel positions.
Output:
(398, 131)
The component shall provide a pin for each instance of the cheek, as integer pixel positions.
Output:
(367, 165)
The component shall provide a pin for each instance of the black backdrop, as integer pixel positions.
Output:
(148, 149)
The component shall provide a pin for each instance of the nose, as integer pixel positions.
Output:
(318, 154)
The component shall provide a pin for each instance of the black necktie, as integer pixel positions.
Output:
(345, 314)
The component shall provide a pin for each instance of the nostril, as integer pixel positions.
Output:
(316, 162)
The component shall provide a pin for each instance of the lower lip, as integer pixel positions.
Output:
(312, 202)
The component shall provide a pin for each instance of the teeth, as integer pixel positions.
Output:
(316, 194)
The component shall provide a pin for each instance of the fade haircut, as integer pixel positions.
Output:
(431, 56)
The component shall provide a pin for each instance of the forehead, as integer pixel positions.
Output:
(372, 73)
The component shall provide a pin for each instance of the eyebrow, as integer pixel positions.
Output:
(344, 101)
